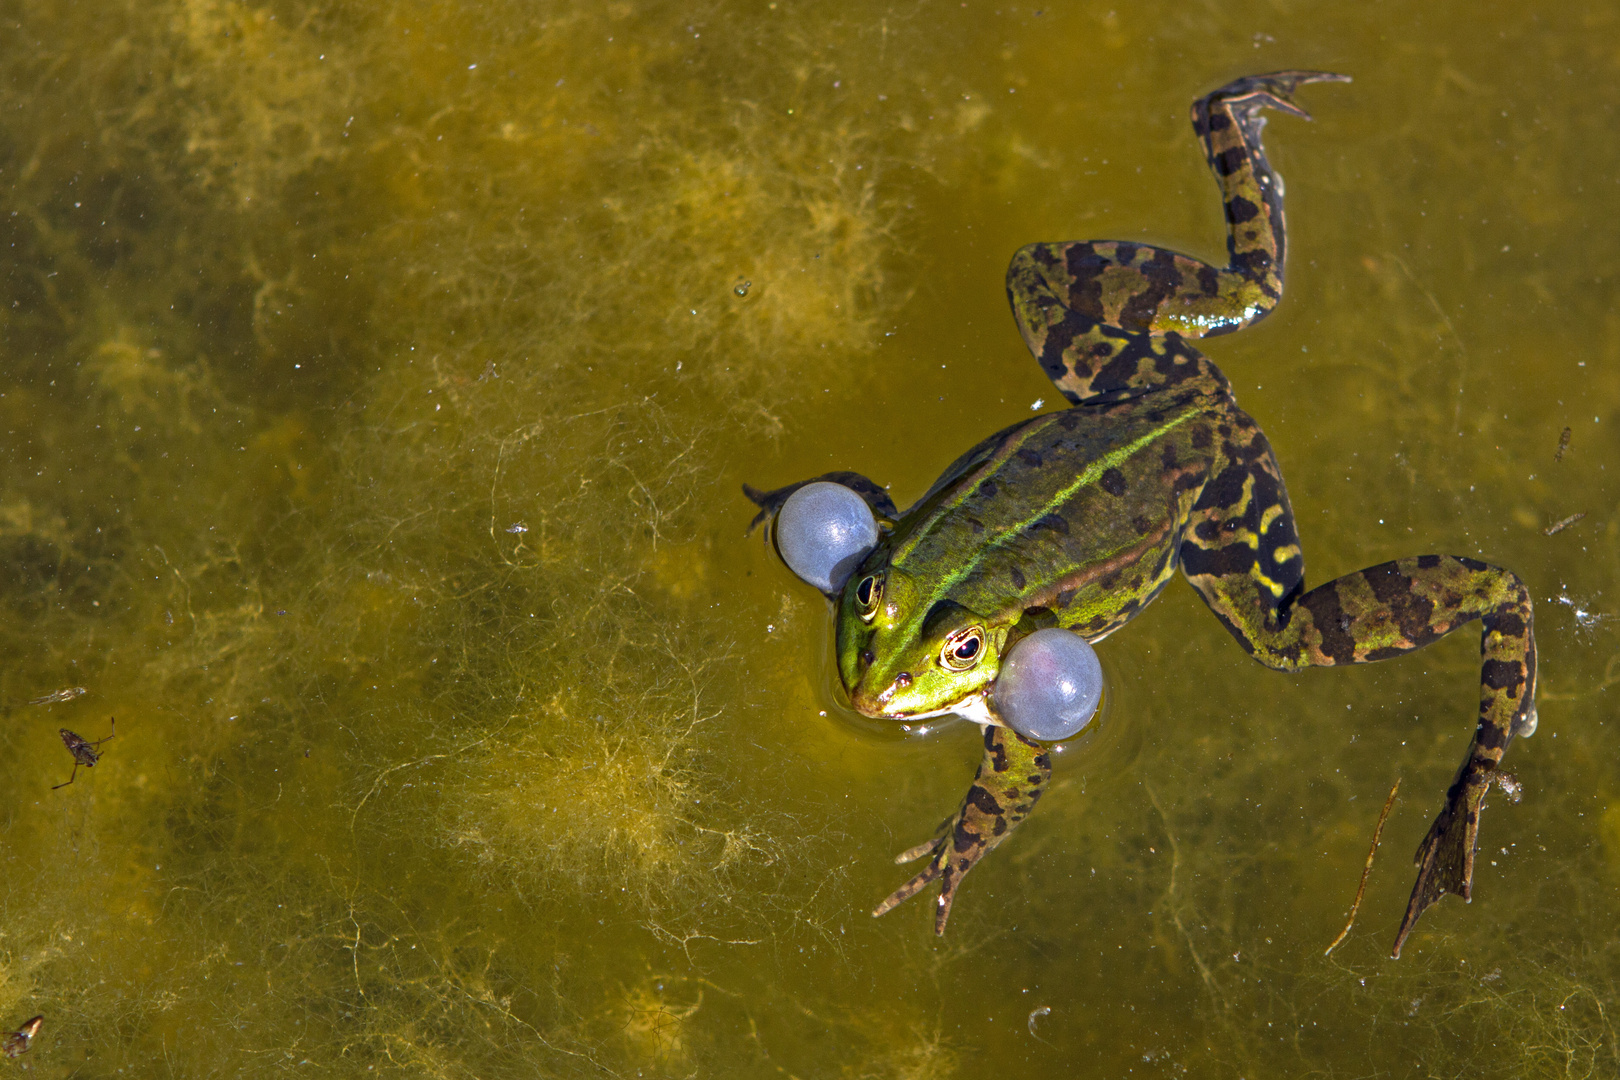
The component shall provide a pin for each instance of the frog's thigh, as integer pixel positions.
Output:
(1241, 550)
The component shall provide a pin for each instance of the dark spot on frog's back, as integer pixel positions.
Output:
(1169, 457)
(1113, 482)
(988, 489)
(1051, 521)
(1017, 576)
(1201, 438)
(1029, 457)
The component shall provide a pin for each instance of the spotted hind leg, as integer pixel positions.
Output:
(1241, 553)
(1083, 307)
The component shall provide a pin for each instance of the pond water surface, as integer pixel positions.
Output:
(379, 381)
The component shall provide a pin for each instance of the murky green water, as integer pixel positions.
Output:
(377, 390)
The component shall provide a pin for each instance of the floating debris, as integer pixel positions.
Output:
(742, 287)
(1585, 619)
(61, 695)
(16, 1043)
(1563, 444)
(1560, 526)
(1378, 834)
(84, 751)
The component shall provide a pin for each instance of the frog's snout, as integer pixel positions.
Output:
(881, 704)
(871, 697)
(901, 682)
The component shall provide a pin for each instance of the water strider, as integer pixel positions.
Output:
(1077, 519)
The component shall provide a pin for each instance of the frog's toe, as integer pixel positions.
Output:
(912, 854)
(1274, 91)
(942, 867)
(1525, 726)
(934, 847)
(910, 888)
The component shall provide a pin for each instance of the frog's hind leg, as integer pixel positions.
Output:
(1011, 777)
(1084, 307)
(1228, 123)
(1241, 552)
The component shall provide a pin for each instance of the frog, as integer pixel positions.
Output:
(1079, 518)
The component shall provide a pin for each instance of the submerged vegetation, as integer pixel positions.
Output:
(378, 383)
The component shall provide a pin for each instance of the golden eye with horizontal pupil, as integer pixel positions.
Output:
(962, 649)
(868, 594)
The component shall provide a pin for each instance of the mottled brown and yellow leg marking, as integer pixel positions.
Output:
(1011, 777)
(1228, 124)
(1241, 553)
(1096, 314)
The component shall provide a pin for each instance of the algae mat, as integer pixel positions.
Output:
(378, 383)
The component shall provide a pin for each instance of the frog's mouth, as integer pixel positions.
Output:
(974, 707)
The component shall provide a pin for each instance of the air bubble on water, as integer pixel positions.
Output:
(1585, 618)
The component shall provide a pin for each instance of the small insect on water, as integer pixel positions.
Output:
(84, 751)
(16, 1043)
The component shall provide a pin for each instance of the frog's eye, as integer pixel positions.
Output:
(962, 649)
(868, 594)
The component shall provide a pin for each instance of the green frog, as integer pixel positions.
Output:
(1077, 519)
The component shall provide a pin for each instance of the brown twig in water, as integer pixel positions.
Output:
(1560, 526)
(1378, 833)
(1563, 444)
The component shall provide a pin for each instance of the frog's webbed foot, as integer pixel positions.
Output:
(1445, 859)
(770, 502)
(1248, 95)
(1011, 777)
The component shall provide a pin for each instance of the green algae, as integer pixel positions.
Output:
(379, 383)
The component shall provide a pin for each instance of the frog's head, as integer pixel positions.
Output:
(903, 655)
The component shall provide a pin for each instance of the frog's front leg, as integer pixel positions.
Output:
(770, 502)
(1010, 780)
(1241, 552)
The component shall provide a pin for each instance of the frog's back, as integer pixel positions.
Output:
(1077, 512)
